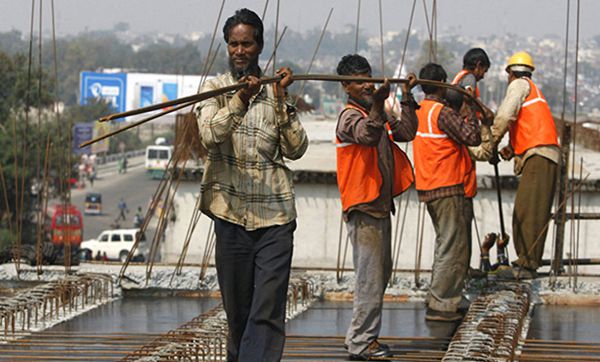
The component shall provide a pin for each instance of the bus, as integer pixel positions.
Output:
(157, 159)
(66, 225)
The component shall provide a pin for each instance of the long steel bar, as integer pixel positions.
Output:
(189, 100)
(268, 80)
(560, 211)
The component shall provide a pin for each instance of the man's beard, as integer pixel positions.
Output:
(251, 69)
(366, 104)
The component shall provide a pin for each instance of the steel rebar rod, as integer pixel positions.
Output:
(266, 80)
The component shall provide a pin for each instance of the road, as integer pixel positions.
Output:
(135, 187)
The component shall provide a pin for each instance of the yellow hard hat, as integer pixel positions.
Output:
(521, 58)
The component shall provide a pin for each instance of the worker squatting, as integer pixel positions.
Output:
(247, 189)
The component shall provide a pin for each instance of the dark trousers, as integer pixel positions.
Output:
(533, 205)
(253, 269)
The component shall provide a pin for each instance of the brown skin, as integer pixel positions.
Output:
(242, 47)
(360, 90)
(479, 71)
(243, 52)
(280, 88)
(406, 87)
(366, 92)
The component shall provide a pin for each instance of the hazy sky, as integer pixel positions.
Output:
(471, 17)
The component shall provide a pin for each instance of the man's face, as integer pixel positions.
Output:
(360, 91)
(243, 49)
(479, 71)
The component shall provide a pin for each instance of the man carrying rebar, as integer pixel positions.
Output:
(371, 171)
(525, 114)
(247, 190)
(440, 165)
(475, 64)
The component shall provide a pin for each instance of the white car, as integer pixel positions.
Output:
(116, 244)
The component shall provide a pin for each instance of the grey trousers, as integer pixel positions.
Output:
(451, 259)
(533, 204)
(253, 268)
(371, 243)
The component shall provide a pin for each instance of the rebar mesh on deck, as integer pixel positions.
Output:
(49, 303)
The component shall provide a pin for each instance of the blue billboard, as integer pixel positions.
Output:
(169, 92)
(82, 132)
(146, 96)
(108, 86)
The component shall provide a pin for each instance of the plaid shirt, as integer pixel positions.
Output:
(246, 181)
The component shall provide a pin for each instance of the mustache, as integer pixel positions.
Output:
(251, 69)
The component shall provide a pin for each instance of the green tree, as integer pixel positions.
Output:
(20, 89)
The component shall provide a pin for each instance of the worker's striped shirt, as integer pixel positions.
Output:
(246, 180)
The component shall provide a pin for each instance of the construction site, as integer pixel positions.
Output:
(159, 299)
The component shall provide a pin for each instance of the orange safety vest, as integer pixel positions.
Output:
(439, 160)
(534, 125)
(358, 176)
(470, 176)
(460, 76)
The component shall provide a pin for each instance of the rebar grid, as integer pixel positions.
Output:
(492, 327)
(204, 337)
(50, 302)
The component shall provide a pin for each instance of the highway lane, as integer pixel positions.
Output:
(135, 187)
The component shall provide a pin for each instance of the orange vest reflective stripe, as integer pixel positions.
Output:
(439, 161)
(460, 76)
(358, 176)
(470, 176)
(534, 125)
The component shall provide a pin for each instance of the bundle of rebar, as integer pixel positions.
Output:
(48, 303)
(492, 328)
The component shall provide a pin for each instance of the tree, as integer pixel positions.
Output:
(441, 56)
(25, 114)
(18, 89)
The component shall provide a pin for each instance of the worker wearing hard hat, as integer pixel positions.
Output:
(525, 114)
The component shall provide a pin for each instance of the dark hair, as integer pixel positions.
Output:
(432, 71)
(248, 17)
(475, 56)
(522, 74)
(353, 64)
(454, 98)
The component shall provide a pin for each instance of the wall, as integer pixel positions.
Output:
(317, 235)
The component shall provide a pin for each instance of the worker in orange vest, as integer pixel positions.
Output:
(371, 171)
(440, 166)
(525, 114)
(475, 64)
